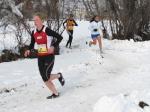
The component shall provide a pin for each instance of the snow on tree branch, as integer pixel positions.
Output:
(15, 8)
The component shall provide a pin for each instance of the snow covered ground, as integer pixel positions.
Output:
(116, 83)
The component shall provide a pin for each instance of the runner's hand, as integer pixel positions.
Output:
(51, 50)
(27, 53)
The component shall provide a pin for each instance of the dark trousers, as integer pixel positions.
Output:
(45, 64)
(70, 33)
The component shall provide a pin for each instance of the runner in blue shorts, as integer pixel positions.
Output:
(95, 34)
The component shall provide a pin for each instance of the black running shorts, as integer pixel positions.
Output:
(45, 64)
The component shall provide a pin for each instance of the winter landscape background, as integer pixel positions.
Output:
(119, 82)
(115, 83)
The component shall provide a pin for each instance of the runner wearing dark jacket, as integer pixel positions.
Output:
(44, 36)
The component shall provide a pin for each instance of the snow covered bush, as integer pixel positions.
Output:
(124, 103)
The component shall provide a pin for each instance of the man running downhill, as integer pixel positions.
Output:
(43, 36)
(70, 23)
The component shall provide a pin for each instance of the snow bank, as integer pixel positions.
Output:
(127, 45)
(123, 103)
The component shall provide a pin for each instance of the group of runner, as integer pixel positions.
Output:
(44, 37)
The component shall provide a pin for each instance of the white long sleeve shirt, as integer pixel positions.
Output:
(95, 26)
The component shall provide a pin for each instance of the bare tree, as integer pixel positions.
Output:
(131, 17)
(126, 17)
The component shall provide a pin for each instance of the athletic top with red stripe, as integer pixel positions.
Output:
(44, 39)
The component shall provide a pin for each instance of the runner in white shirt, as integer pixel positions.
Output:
(95, 32)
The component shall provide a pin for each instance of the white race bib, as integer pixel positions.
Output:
(42, 48)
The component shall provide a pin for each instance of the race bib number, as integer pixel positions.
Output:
(69, 27)
(42, 48)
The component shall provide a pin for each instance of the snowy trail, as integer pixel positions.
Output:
(122, 71)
